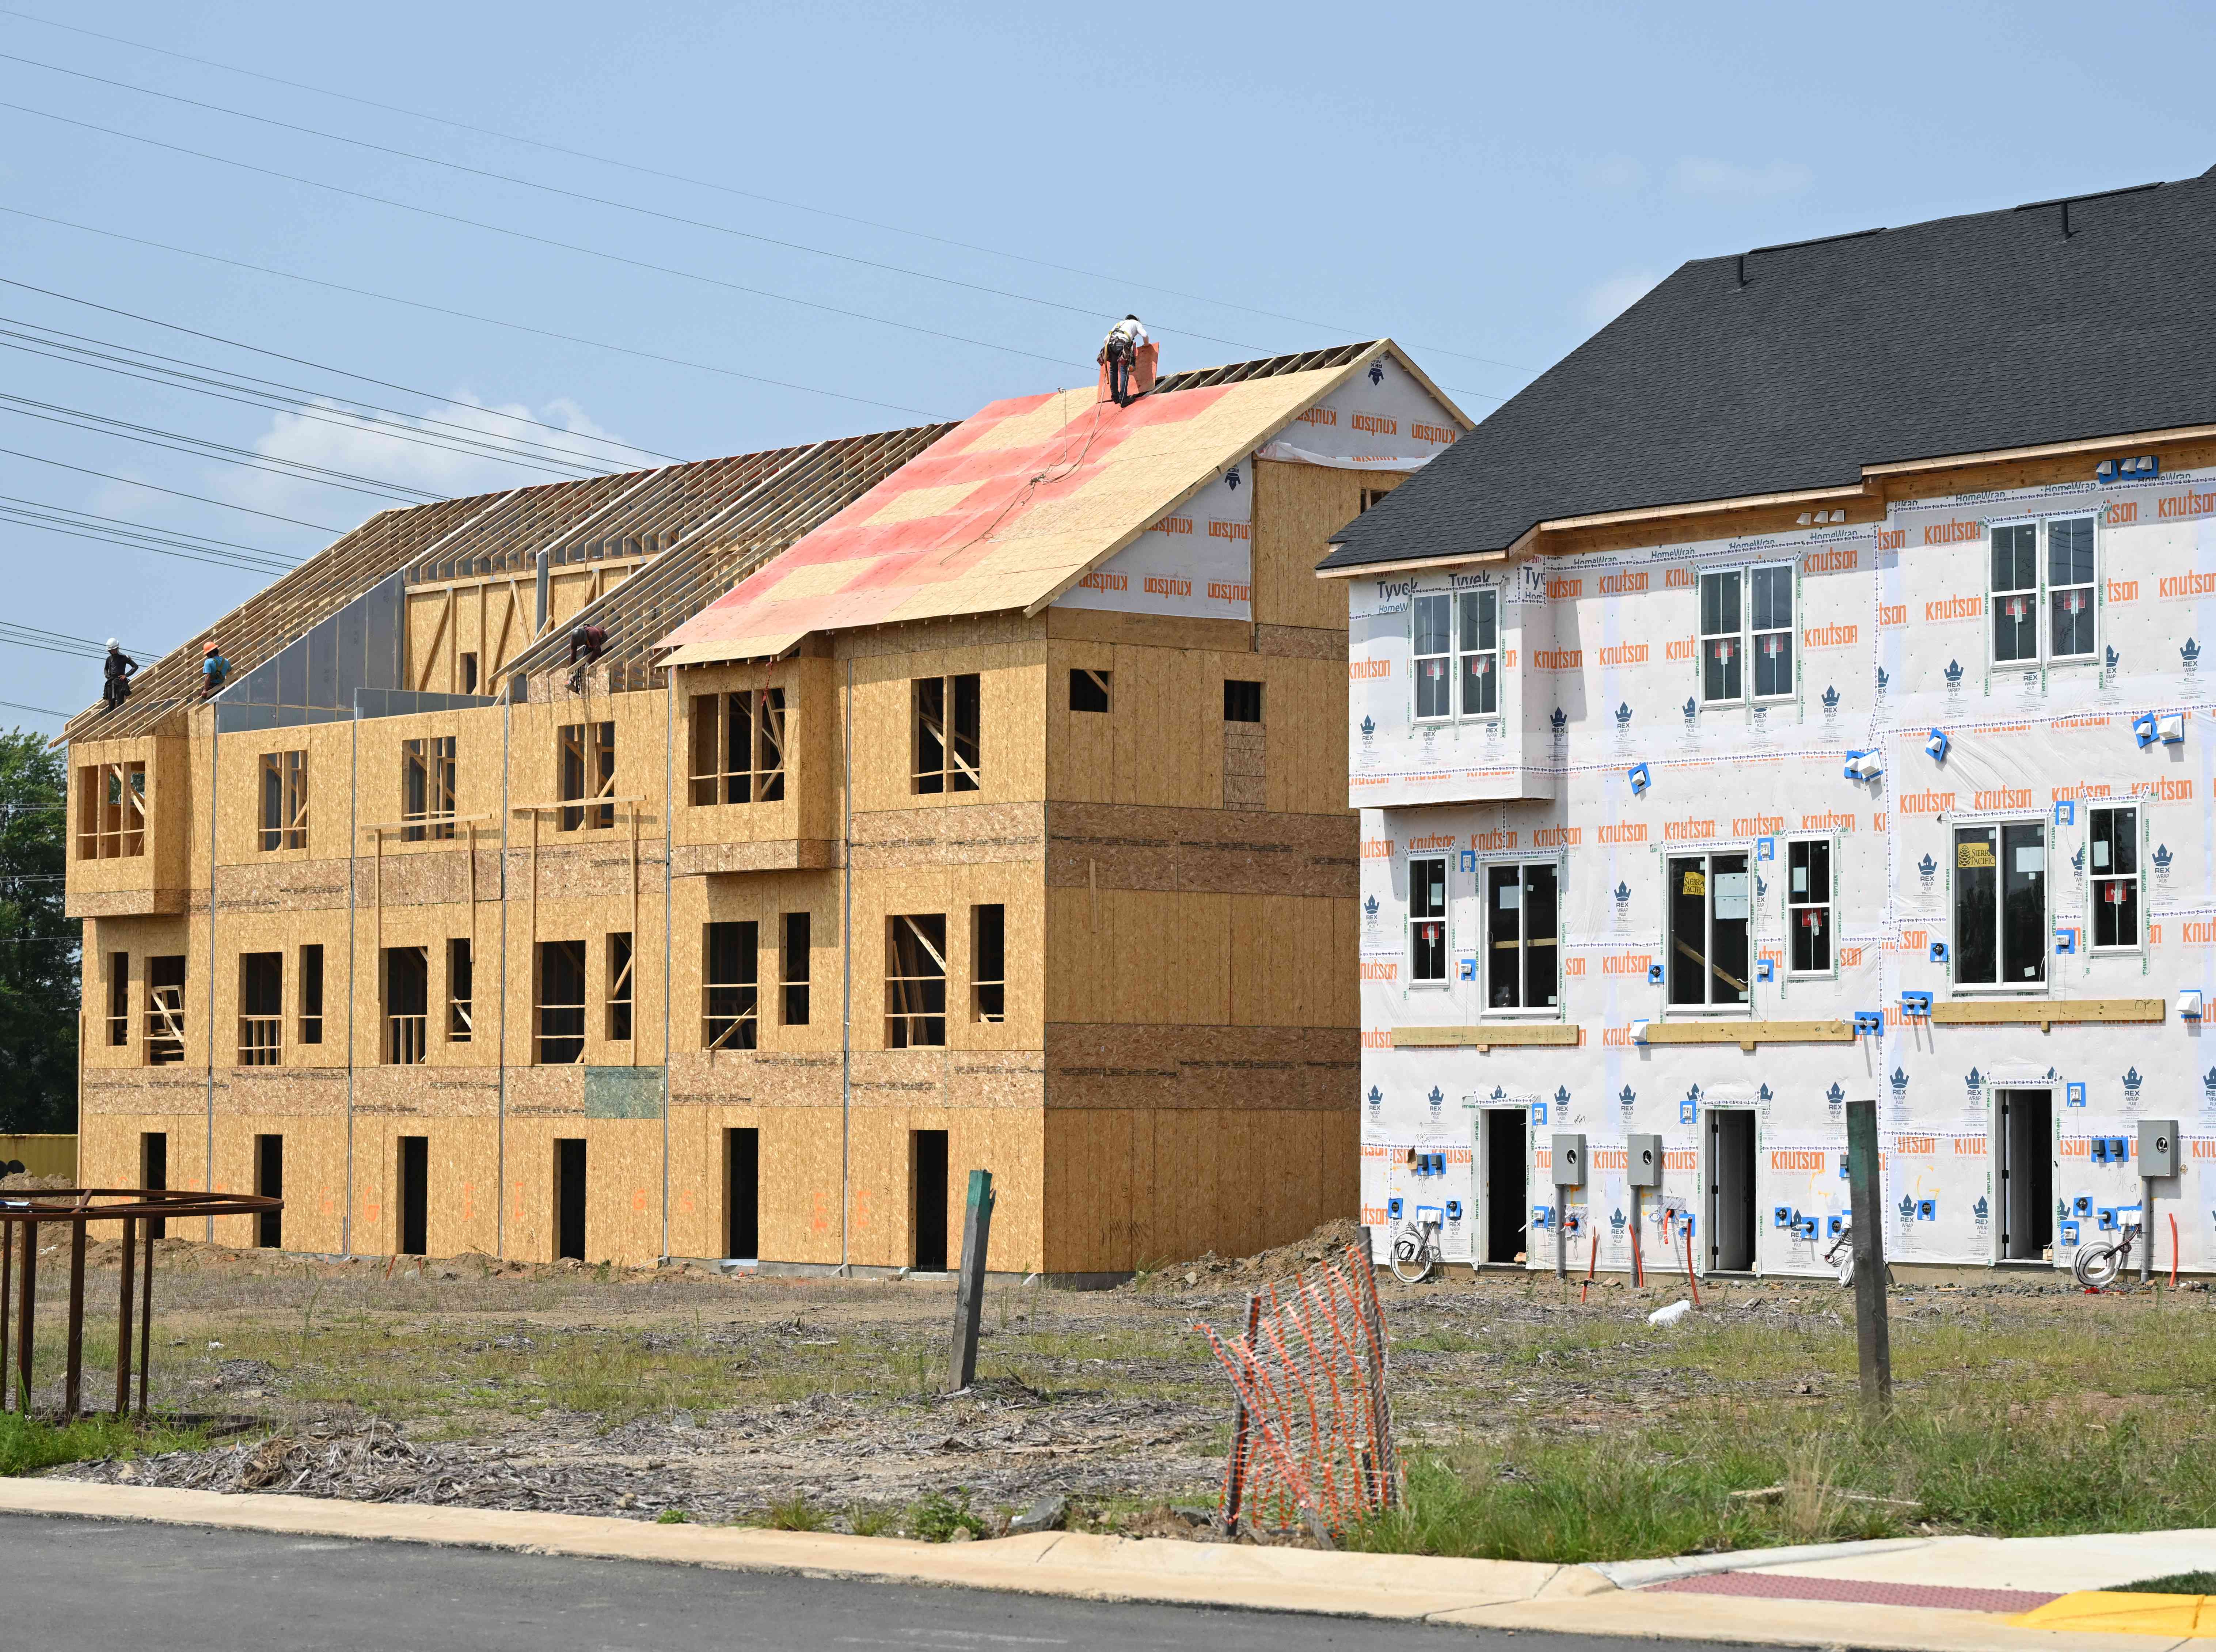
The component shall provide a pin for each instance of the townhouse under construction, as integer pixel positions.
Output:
(966, 796)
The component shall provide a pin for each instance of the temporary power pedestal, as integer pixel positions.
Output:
(1569, 1169)
(2159, 1156)
(1642, 1168)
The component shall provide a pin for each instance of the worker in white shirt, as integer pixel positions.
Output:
(1125, 340)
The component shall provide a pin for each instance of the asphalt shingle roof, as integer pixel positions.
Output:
(1792, 368)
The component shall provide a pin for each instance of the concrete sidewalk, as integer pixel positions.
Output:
(1916, 1594)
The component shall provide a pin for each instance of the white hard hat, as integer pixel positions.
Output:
(111, 643)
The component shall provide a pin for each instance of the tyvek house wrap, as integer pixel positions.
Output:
(1893, 634)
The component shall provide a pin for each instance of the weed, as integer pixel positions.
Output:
(872, 1522)
(938, 1517)
(26, 1444)
(795, 1514)
(673, 1517)
(2176, 1583)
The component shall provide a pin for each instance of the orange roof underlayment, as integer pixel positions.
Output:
(1007, 511)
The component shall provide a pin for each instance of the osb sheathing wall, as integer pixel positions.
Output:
(1201, 1041)
(1172, 1074)
(154, 881)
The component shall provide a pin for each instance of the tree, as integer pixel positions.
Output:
(38, 947)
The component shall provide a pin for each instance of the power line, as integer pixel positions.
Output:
(201, 498)
(527, 236)
(321, 366)
(137, 541)
(123, 525)
(250, 395)
(13, 706)
(460, 315)
(222, 453)
(730, 189)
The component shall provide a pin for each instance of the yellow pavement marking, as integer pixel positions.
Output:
(2120, 1612)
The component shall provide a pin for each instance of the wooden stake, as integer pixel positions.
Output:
(73, 1369)
(1872, 1342)
(123, 1305)
(146, 1319)
(26, 1311)
(969, 1295)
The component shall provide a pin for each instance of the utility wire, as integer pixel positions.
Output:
(248, 394)
(201, 498)
(526, 236)
(460, 315)
(99, 650)
(61, 526)
(321, 366)
(117, 525)
(729, 189)
(13, 706)
(222, 453)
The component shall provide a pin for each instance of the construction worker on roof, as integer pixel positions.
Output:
(1125, 340)
(115, 673)
(213, 670)
(587, 642)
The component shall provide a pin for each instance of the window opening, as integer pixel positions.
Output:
(110, 811)
(284, 800)
(988, 985)
(589, 770)
(948, 736)
(1242, 701)
(728, 993)
(427, 787)
(165, 1011)
(119, 999)
(461, 972)
(312, 993)
(561, 1003)
(154, 1173)
(1721, 663)
(1522, 970)
(468, 670)
(2000, 904)
(1809, 904)
(2069, 587)
(1088, 690)
(1711, 909)
(620, 986)
(738, 747)
(2115, 854)
(1427, 918)
(407, 1004)
(261, 1009)
(792, 965)
(915, 981)
(1479, 652)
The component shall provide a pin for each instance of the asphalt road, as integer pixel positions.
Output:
(116, 1585)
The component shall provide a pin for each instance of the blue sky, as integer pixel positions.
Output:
(965, 195)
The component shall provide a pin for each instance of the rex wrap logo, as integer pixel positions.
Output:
(1980, 1212)
(2110, 664)
(1368, 729)
(1883, 678)
(2077, 861)
(1975, 1082)
(1623, 717)
(1692, 710)
(1376, 373)
(1927, 874)
(1560, 722)
(1377, 1102)
(1562, 1104)
(1953, 675)
(1831, 703)
(2162, 859)
(2209, 1089)
(1899, 1082)
(1835, 1100)
(1435, 1098)
(1621, 893)
(1688, 1110)
(1616, 1222)
(1627, 1097)
(1370, 909)
(2189, 656)
(1231, 479)
(1764, 1095)
(2132, 1082)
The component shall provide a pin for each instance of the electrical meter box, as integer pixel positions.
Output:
(1643, 1161)
(2157, 1147)
(1569, 1157)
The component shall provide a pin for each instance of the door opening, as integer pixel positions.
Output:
(927, 1154)
(2027, 1178)
(1731, 1190)
(570, 1197)
(154, 1172)
(415, 1195)
(742, 1194)
(270, 1182)
(1505, 1213)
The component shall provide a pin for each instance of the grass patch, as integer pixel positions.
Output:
(872, 1521)
(795, 1513)
(673, 1517)
(27, 1445)
(1667, 1489)
(936, 1518)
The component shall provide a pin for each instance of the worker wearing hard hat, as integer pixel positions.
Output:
(213, 670)
(115, 673)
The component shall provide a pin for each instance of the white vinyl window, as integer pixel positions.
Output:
(1523, 958)
(2000, 905)
(2113, 854)
(1432, 620)
(1478, 652)
(1772, 627)
(2067, 593)
(1722, 648)
(1711, 910)
(1809, 901)
(1427, 919)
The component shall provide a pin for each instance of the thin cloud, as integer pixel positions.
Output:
(1698, 176)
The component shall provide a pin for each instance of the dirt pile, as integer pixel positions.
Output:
(1212, 1272)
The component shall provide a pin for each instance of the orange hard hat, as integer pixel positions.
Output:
(210, 649)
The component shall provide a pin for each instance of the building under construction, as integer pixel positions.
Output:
(965, 796)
